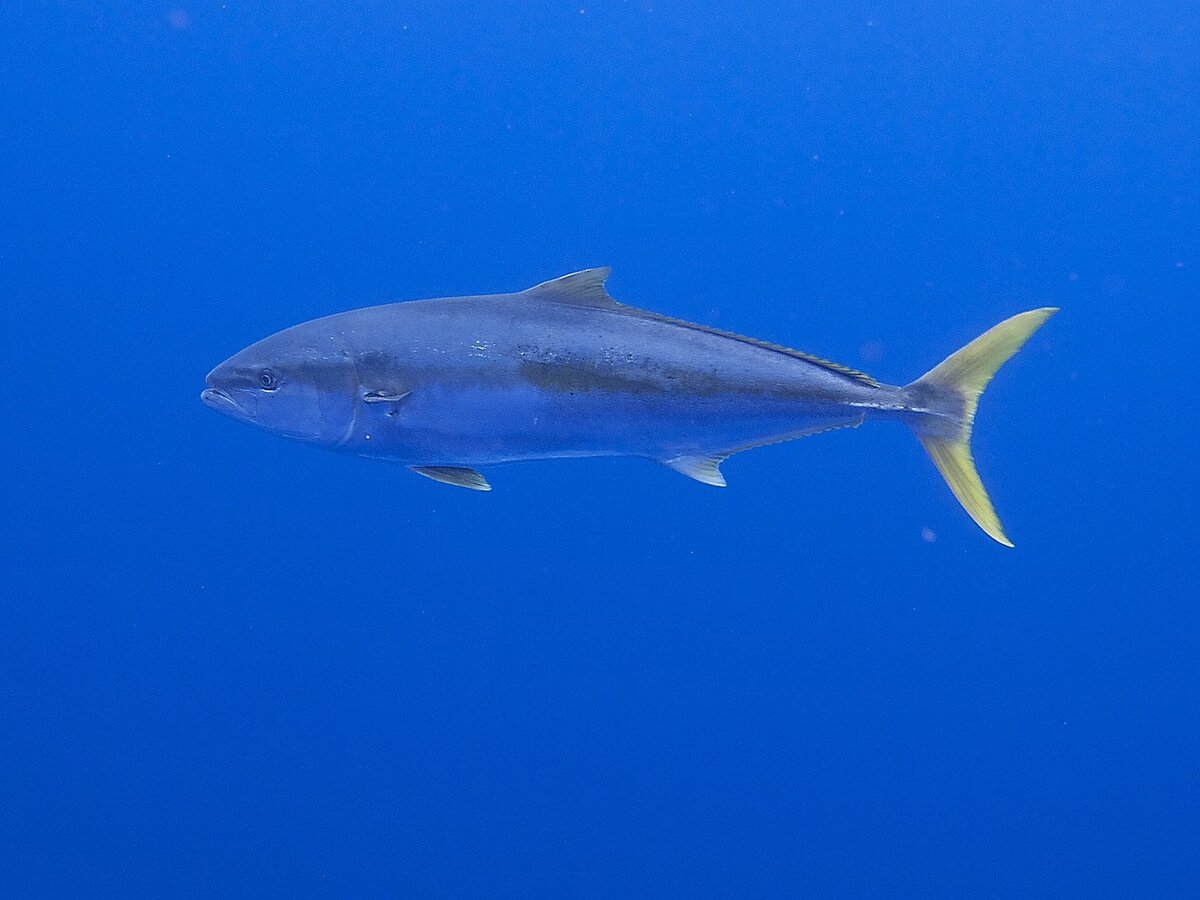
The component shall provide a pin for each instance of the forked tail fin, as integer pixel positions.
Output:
(950, 393)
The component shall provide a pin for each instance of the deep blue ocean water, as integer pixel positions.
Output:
(236, 666)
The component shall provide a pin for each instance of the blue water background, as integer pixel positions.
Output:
(236, 666)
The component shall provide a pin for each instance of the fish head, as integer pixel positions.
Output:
(298, 383)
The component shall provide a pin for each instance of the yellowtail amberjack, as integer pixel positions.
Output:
(448, 385)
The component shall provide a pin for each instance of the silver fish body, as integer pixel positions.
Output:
(561, 370)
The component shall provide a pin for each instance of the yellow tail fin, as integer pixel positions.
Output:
(950, 392)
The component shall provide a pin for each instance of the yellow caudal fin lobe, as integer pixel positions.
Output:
(946, 398)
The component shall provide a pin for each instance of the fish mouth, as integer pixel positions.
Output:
(217, 399)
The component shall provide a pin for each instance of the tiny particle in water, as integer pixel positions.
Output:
(928, 535)
(179, 19)
(871, 351)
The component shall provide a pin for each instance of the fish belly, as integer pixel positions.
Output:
(478, 426)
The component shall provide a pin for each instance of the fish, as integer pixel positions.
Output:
(450, 385)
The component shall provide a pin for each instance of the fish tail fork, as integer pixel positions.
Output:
(946, 398)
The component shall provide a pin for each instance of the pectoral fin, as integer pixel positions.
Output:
(384, 396)
(456, 475)
(705, 469)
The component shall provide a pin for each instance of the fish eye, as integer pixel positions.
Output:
(267, 380)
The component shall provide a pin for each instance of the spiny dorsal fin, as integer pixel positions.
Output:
(460, 476)
(585, 288)
(705, 469)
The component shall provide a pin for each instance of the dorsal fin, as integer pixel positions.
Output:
(853, 374)
(585, 288)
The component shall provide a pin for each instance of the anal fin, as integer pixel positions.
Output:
(460, 476)
(705, 469)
